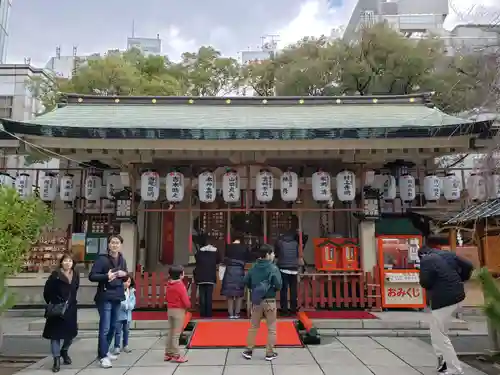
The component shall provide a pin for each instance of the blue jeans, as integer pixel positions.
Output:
(56, 348)
(108, 316)
(121, 326)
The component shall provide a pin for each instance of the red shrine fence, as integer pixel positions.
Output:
(345, 290)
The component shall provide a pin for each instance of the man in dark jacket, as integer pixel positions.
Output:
(109, 271)
(205, 274)
(289, 261)
(265, 277)
(442, 274)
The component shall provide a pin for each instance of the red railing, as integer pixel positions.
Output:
(320, 290)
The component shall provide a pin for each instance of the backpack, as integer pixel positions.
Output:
(258, 294)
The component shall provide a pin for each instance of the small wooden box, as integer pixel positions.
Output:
(336, 254)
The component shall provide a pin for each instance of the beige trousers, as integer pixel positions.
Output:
(175, 324)
(266, 310)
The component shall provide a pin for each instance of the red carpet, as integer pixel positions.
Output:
(320, 314)
(217, 334)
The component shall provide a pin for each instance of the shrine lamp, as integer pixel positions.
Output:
(371, 206)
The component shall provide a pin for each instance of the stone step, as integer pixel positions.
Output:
(322, 324)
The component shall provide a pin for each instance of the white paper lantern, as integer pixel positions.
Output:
(175, 187)
(432, 188)
(289, 186)
(476, 187)
(264, 186)
(388, 188)
(346, 186)
(48, 187)
(207, 190)
(451, 187)
(231, 187)
(93, 188)
(321, 186)
(494, 186)
(150, 186)
(407, 191)
(113, 185)
(67, 189)
(23, 185)
(6, 180)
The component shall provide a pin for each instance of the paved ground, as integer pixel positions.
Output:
(346, 356)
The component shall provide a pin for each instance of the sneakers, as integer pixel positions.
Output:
(126, 349)
(116, 351)
(441, 367)
(247, 354)
(112, 356)
(271, 356)
(167, 357)
(237, 316)
(106, 363)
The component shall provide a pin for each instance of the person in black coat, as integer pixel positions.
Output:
(62, 287)
(442, 274)
(205, 274)
(233, 286)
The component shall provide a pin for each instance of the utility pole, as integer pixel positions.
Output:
(75, 65)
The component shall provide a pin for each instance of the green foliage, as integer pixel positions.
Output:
(491, 297)
(21, 223)
(381, 61)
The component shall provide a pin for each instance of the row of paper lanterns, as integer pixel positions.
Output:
(478, 187)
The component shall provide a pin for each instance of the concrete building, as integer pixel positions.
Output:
(473, 38)
(16, 99)
(406, 16)
(5, 6)
(148, 46)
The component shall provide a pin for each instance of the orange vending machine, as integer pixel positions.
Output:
(399, 272)
(336, 254)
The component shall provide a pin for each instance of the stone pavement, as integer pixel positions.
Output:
(345, 355)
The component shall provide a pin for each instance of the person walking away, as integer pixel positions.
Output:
(61, 324)
(233, 287)
(205, 274)
(442, 274)
(109, 271)
(289, 261)
(263, 280)
(177, 304)
(125, 317)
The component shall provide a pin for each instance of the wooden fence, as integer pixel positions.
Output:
(320, 290)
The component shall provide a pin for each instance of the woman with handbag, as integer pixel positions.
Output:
(61, 323)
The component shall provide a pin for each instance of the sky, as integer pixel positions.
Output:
(37, 28)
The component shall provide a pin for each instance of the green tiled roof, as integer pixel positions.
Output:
(248, 117)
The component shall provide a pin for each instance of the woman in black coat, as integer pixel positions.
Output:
(61, 286)
(233, 288)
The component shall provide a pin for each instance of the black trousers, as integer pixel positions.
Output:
(205, 292)
(289, 283)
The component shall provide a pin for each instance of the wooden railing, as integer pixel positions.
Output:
(319, 290)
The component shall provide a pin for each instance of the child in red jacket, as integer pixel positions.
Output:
(177, 303)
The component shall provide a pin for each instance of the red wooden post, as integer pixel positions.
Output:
(378, 288)
(338, 296)
(330, 291)
(347, 299)
(362, 290)
(145, 289)
(154, 290)
(314, 291)
(138, 289)
(354, 290)
(322, 299)
(161, 290)
(369, 289)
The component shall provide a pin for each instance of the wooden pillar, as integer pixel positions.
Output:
(452, 239)
(479, 236)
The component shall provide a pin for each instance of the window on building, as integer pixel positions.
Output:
(6, 103)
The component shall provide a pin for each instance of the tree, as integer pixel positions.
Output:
(207, 73)
(48, 91)
(491, 305)
(21, 224)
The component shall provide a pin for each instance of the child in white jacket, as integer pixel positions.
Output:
(125, 317)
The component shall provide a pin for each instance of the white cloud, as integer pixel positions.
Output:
(174, 44)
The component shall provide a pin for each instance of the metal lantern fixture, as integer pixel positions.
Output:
(231, 187)
(150, 186)
(432, 188)
(451, 187)
(321, 186)
(371, 206)
(24, 185)
(48, 187)
(175, 187)
(407, 191)
(346, 186)
(6, 179)
(494, 186)
(388, 188)
(370, 178)
(476, 187)
(207, 190)
(264, 186)
(289, 186)
(124, 206)
(93, 187)
(67, 189)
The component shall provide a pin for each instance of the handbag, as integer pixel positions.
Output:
(56, 310)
